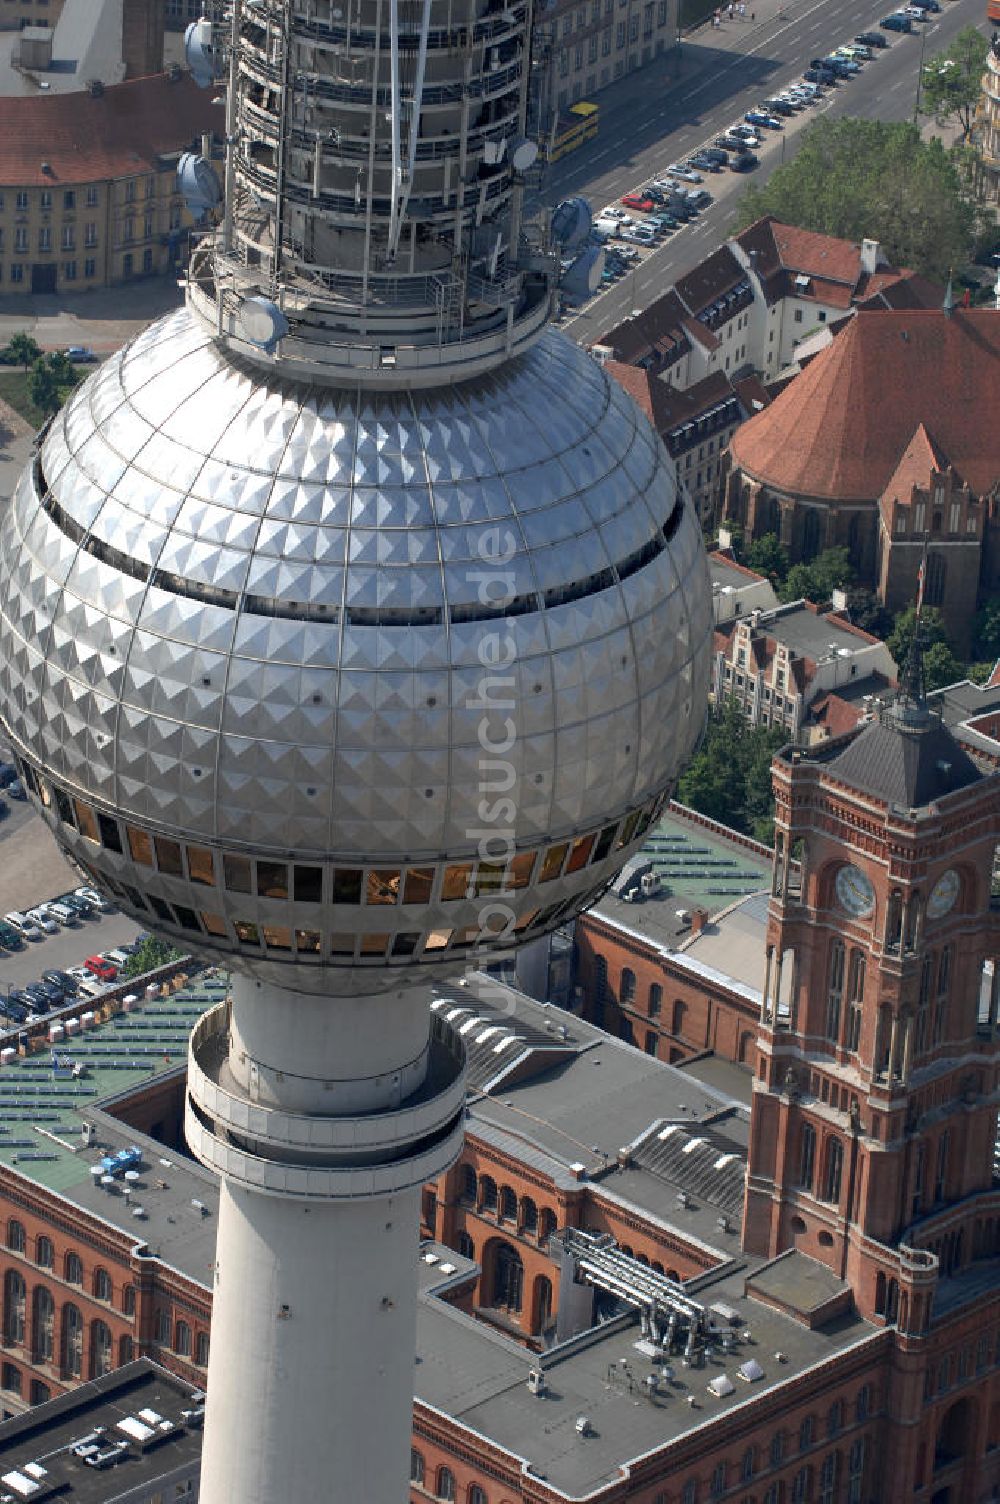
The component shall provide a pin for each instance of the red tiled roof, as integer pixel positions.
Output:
(837, 715)
(834, 265)
(85, 138)
(918, 462)
(838, 430)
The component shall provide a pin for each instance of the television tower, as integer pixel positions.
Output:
(352, 627)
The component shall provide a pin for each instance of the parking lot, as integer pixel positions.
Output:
(33, 871)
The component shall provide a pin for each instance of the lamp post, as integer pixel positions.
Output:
(920, 74)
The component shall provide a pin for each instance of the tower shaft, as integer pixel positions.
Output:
(315, 1284)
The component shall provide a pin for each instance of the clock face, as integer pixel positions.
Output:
(943, 894)
(855, 892)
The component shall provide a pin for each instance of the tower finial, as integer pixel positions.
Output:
(912, 689)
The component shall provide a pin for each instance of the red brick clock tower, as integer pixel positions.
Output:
(874, 1112)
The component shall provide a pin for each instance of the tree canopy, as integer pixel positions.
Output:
(951, 84)
(22, 350)
(769, 557)
(877, 179)
(816, 581)
(729, 777)
(43, 387)
(150, 954)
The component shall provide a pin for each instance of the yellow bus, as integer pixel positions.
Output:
(573, 129)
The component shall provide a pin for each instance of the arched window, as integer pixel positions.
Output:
(488, 1192)
(628, 985)
(13, 1308)
(43, 1325)
(937, 578)
(810, 534)
(747, 1465)
(182, 1340)
(529, 1216)
(416, 1466)
(829, 1475)
(469, 1185)
(508, 1204)
(102, 1285)
(477, 1495)
(834, 989)
(807, 1155)
(74, 1269)
(543, 1301)
(445, 1488)
(465, 1246)
(128, 1300)
(600, 989)
(508, 1278)
(894, 920)
(72, 1342)
(802, 1486)
(807, 1433)
(44, 1255)
(11, 1380)
(880, 1293)
(655, 999)
(834, 1170)
(100, 1349)
(201, 1350)
(777, 1448)
(943, 984)
(891, 1302)
(680, 1013)
(856, 997)
(15, 1235)
(548, 1225)
(718, 1484)
(126, 1350)
(835, 1419)
(863, 1404)
(922, 1032)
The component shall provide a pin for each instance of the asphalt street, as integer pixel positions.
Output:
(649, 125)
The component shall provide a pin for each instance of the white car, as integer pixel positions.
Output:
(680, 170)
(87, 984)
(613, 212)
(102, 904)
(43, 921)
(606, 228)
(23, 925)
(62, 913)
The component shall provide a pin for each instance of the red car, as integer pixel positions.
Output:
(102, 969)
(638, 201)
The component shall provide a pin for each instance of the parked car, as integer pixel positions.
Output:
(779, 106)
(23, 925)
(118, 956)
(606, 229)
(40, 1000)
(640, 201)
(104, 970)
(916, 13)
(825, 76)
(55, 994)
(707, 163)
(613, 212)
(63, 913)
(872, 39)
(95, 899)
(87, 983)
(10, 938)
(846, 67)
(897, 21)
(61, 979)
(75, 902)
(745, 133)
(685, 173)
(43, 921)
(853, 50)
(744, 161)
(82, 354)
(763, 117)
(17, 1005)
(15, 789)
(640, 235)
(698, 198)
(665, 221)
(932, 5)
(8, 774)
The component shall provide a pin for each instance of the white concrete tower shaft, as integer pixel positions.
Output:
(324, 1118)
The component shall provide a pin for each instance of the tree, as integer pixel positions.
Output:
(23, 350)
(986, 630)
(43, 388)
(150, 954)
(932, 632)
(816, 581)
(952, 81)
(769, 557)
(941, 667)
(729, 777)
(62, 368)
(866, 611)
(858, 178)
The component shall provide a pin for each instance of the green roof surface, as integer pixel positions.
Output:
(697, 865)
(39, 1098)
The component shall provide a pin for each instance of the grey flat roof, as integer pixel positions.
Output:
(44, 1435)
(808, 634)
(964, 701)
(479, 1378)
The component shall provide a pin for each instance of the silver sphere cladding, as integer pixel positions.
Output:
(251, 634)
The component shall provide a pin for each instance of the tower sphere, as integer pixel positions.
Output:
(337, 681)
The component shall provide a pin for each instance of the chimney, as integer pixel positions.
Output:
(871, 255)
(699, 919)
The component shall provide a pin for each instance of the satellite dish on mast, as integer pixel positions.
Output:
(200, 52)
(262, 323)
(571, 224)
(198, 183)
(523, 153)
(583, 278)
